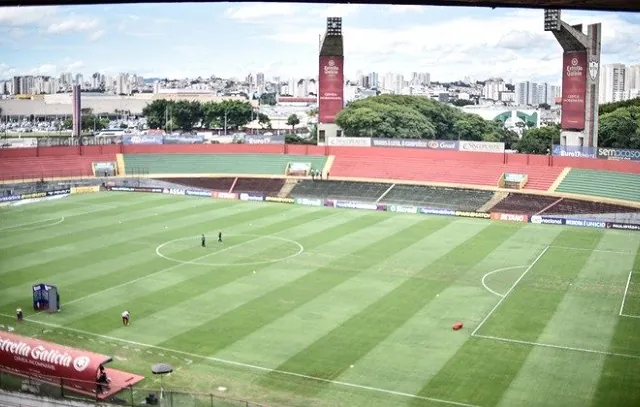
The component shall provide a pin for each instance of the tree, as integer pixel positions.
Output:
(156, 113)
(124, 126)
(228, 114)
(264, 120)
(462, 102)
(611, 107)
(539, 140)
(620, 128)
(472, 127)
(293, 121)
(268, 99)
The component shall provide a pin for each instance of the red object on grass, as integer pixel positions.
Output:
(457, 326)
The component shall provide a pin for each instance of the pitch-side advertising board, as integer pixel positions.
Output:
(349, 141)
(481, 147)
(415, 143)
(574, 151)
(510, 217)
(618, 154)
(251, 197)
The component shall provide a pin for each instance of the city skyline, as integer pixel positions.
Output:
(282, 40)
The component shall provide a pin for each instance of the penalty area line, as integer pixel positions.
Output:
(251, 366)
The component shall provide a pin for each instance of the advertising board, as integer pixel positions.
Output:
(251, 197)
(574, 89)
(509, 217)
(224, 195)
(173, 191)
(358, 205)
(135, 189)
(623, 226)
(19, 143)
(349, 141)
(585, 223)
(574, 151)
(330, 88)
(544, 220)
(438, 211)
(58, 192)
(279, 200)
(510, 177)
(402, 209)
(77, 141)
(10, 198)
(174, 139)
(259, 139)
(618, 154)
(481, 146)
(85, 190)
(142, 139)
(309, 201)
(477, 215)
(415, 143)
(205, 194)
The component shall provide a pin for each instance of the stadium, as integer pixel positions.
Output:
(351, 271)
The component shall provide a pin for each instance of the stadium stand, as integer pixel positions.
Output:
(606, 184)
(214, 184)
(345, 190)
(548, 205)
(430, 170)
(445, 198)
(22, 168)
(264, 164)
(267, 186)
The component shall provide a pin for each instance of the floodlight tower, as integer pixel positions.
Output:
(330, 80)
(580, 79)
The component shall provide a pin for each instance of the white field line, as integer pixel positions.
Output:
(497, 271)
(624, 299)
(35, 225)
(591, 250)
(569, 348)
(22, 225)
(486, 318)
(250, 366)
(164, 270)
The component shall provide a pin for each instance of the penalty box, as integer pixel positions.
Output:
(573, 307)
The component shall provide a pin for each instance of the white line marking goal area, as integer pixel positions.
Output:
(548, 345)
(247, 365)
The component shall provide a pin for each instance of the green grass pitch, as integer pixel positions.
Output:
(303, 306)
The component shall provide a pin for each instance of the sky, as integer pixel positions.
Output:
(280, 39)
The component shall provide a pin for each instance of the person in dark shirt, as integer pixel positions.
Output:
(219, 237)
(204, 241)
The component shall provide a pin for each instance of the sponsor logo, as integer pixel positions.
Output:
(309, 202)
(349, 141)
(574, 69)
(577, 152)
(508, 177)
(594, 68)
(585, 223)
(34, 354)
(623, 226)
(10, 198)
(172, 191)
(276, 139)
(84, 190)
(482, 147)
(279, 200)
(509, 217)
(618, 154)
(122, 189)
(331, 69)
(198, 193)
(33, 195)
(411, 143)
(540, 220)
(247, 197)
(403, 209)
(81, 363)
(59, 192)
(76, 141)
(225, 195)
(356, 205)
(478, 215)
(142, 139)
(436, 211)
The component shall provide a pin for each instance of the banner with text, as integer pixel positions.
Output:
(618, 154)
(623, 226)
(77, 141)
(279, 200)
(135, 189)
(183, 139)
(349, 141)
(309, 201)
(259, 139)
(402, 209)
(358, 205)
(476, 215)
(18, 143)
(85, 190)
(509, 217)
(205, 194)
(481, 146)
(224, 195)
(574, 89)
(437, 211)
(415, 143)
(574, 151)
(144, 139)
(173, 191)
(251, 197)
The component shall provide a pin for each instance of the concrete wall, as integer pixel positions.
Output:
(11, 399)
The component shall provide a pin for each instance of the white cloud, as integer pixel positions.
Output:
(16, 16)
(259, 11)
(337, 10)
(74, 66)
(96, 35)
(45, 69)
(72, 25)
(406, 9)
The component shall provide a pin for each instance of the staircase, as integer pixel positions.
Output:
(120, 165)
(495, 199)
(288, 186)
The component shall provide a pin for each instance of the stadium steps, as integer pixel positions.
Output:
(606, 184)
(120, 164)
(327, 166)
(35, 168)
(263, 164)
(429, 170)
(288, 186)
(495, 199)
(560, 178)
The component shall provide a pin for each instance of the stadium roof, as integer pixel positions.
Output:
(608, 5)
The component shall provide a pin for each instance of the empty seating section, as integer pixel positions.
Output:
(266, 186)
(352, 191)
(606, 184)
(264, 164)
(573, 206)
(548, 205)
(214, 184)
(20, 168)
(444, 198)
(429, 170)
(523, 203)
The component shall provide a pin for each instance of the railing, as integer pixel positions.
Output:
(129, 396)
(45, 175)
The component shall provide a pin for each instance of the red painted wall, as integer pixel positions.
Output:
(514, 159)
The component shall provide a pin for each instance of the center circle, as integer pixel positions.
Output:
(223, 248)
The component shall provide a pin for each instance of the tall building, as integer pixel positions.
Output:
(613, 83)
(76, 111)
(493, 88)
(330, 80)
(633, 77)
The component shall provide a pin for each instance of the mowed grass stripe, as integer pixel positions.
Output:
(346, 233)
(330, 356)
(200, 280)
(482, 369)
(263, 310)
(114, 250)
(620, 378)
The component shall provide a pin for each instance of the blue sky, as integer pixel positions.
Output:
(279, 39)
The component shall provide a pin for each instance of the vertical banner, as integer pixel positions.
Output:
(574, 89)
(330, 88)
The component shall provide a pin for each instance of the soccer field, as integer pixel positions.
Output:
(305, 306)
